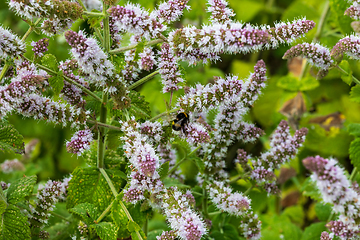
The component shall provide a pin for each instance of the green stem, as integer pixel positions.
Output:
(122, 205)
(124, 49)
(94, 14)
(145, 228)
(163, 114)
(4, 70)
(214, 213)
(102, 132)
(143, 80)
(59, 216)
(182, 160)
(104, 125)
(106, 211)
(69, 80)
(353, 174)
(81, 4)
(205, 203)
(98, 34)
(354, 79)
(249, 189)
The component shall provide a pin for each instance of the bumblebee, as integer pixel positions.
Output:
(180, 122)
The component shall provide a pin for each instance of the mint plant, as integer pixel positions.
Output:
(133, 172)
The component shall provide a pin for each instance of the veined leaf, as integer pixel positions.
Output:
(20, 189)
(11, 139)
(105, 230)
(14, 225)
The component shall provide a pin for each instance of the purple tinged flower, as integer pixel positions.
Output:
(186, 223)
(250, 226)
(167, 235)
(93, 4)
(30, 9)
(153, 130)
(316, 54)
(348, 45)
(242, 159)
(147, 59)
(139, 184)
(52, 27)
(4, 185)
(10, 44)
(40, 47)
(80, 142)
(139, 152)
(287, 32)
(343, 230)
(334, 187)
(220, 13)
(354, 10)
(93, 61)
(227, 201)
(170, 11)
(9, 166)
(195, 133)
(326, 236)
(71, 93)
(131, 69)
(207, 43)
(133, 19)
(39, 107)
(169, 69)
(47, 197)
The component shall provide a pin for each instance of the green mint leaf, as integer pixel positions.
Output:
(56, 83)
(14, 225)
(289, 83)
(105, 230)
(87, 212)
(355, 152)
(354, 129)
(355, 94)
(50, 61)
(20, 189)
(11, 139)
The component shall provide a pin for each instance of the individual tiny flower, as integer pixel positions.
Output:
(169, 69)
(220, 13)
(4, 185)
(40, 47)
(80, 142)
(227, 201)
(287, 32)
(326, 236)
(316, 54)
(147, 59)
(170, 10)
(186, 223)
(9, 166)
(47, 197)
(167, 235)
(10, 44)
(348, 45)
(133, 19)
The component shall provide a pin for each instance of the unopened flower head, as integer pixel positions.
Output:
(343, 230)
(348, 45)
(354, 10)
(182, 219)
(316, 54)
(196, 133)
(220, 13)
(227, 201)
(167, 235)
(10, 44)
(169, 69)
(40, 47)
(170, 10)
(250, 226)
(80, 142)
(133, 19)
(51, 27)
(326, 236)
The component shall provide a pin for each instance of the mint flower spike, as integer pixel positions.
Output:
(287, 32)
(348, 45)
(207, 43)
(10, 44)
(170, 10)
(186, 223)
(80, 142)
(169, 70)
(139, 152)
(326, 236)
(354, 10)
(337, 190)
(316, 54)
(220, 13)
(93, 61)
(134, 19)
(40, 47)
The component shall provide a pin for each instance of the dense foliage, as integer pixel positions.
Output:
(179, 119)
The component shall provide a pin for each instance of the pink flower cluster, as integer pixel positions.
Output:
(80, 142)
